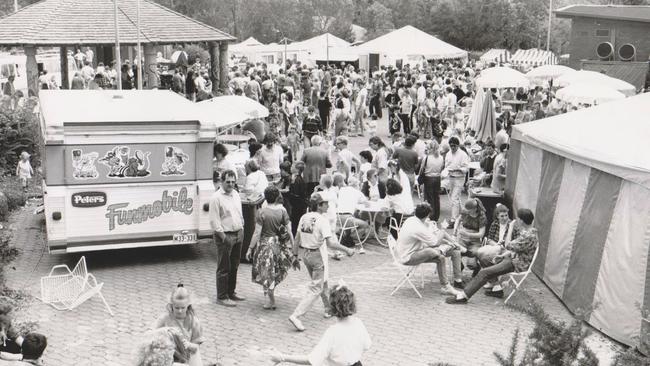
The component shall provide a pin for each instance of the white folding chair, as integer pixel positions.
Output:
(523, 275)
(68, 290)
(348, 225)
(406, 271)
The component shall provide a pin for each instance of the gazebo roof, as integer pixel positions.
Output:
(72, 22)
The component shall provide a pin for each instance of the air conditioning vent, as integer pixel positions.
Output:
(605, 50)
(627, 52)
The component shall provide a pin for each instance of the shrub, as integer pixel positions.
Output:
(19, 131)
(194, 51)
(631, 357)
(551, 343)
(13, 192)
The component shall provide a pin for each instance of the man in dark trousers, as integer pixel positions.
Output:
(227, 222)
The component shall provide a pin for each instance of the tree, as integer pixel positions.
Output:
(380, 20)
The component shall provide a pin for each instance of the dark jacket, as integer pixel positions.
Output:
(365, 189)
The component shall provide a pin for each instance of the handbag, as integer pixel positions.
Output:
(421, 172)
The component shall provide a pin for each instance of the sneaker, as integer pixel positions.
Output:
(297, 323)
(488, 286)
(362, 251)
(454, 301)
(497, 294)
(337, 256)
(227, 303)
(448, 290)
(459, 284)
(327, 315)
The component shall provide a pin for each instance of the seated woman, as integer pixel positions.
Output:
(373, 188)
(470, 228)
(501, 231)
(517, 257)
(400, 205)
(343, 343)
(256, 180)
(420, 241)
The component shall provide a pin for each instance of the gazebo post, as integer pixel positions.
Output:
(223, 66)
(65, 77)
(215, 65)
(32, 69)
(150, 66)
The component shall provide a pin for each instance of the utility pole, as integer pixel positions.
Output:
(118, 60)
(548, 33)
(139, 53)
(15, 5)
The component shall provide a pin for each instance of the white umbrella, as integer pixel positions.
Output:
(475, 112)
(502, 77)
(593, 77)
(588, 93)
(487, 127)
(541, 75)
(231, 109)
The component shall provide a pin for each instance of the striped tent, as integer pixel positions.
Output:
(496, 55)
(533, 57)
(587, 180)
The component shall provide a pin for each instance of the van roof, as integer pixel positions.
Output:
(59, 107)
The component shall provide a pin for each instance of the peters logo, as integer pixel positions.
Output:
(88, 199)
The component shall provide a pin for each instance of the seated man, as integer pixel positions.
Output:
(501, 232)
(348, 199)
(31, 346)
(419, 241)
(517, 257)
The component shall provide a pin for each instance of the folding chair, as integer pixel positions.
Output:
(512, 275)
(69, 290)
(406, 270)
(348, 225)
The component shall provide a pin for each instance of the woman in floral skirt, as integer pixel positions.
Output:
(270, 249)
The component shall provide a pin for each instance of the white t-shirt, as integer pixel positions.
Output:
(257, 182)
(270, 160)
(314, 230)
(348, 199)
(342, 344)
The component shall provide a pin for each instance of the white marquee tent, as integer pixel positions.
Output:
(408, 42)
(587, 180)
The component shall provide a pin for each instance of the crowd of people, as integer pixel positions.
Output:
(315, 190)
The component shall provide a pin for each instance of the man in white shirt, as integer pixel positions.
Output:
(313, 232)
(419, 241)
(227, 222)
(456, 163)
(360, 106)
(501, 137)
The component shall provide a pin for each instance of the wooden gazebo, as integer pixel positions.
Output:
(77, 23)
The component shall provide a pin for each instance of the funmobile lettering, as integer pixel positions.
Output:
(177, 201)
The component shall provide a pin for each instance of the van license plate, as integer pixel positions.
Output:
(184, 238)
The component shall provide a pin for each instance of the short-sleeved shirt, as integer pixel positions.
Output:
(342, 344)
(270, 160)
(314, 230)
(190, 327)
(408, 159)
(474, 223)
(271, 219)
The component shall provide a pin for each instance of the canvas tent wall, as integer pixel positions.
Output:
(533, 58)
(407, 43)
(588, 182)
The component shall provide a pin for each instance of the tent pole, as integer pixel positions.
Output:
(550, 16)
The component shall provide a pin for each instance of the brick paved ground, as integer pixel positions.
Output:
(405, 330)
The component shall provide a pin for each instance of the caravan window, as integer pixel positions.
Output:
(7, 70)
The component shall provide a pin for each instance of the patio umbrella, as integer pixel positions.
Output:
(179, 58)
(541, 75)
(588, 93)
(475, 112)
(502, 77)
(593, 77)
(230, 109)
(487, 127)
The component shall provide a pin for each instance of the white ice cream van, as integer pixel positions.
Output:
(124, 169)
